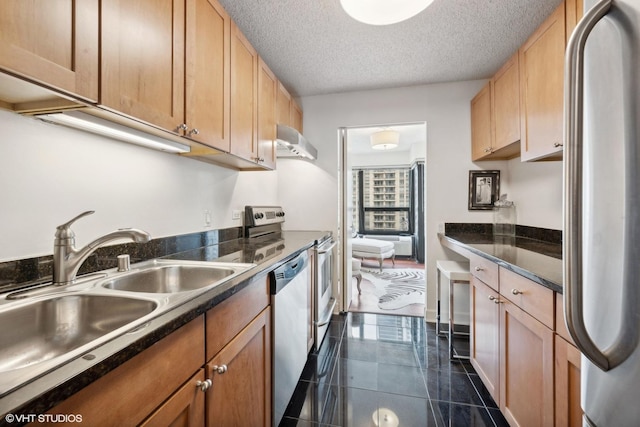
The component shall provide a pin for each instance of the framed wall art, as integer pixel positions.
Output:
(484, 189)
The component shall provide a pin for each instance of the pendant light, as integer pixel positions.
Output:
(383, 12)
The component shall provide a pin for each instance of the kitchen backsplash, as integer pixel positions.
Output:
(25, 272)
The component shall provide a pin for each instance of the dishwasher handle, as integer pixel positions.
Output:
(285, 273)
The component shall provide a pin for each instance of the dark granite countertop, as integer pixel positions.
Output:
(536, 260)
(41, 394)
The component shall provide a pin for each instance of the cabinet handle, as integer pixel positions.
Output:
(491, 298)
(497, 301)
(487, 150)
(193, 131)
(479, 269)
(558, 144)
(258, 159)
(204, 385)
(220, 369)
(516, 291)
(182, 126)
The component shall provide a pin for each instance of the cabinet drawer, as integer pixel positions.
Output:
(529, 296)
(485, 270)
(227, 319)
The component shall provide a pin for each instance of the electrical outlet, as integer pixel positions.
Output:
(236, 214)
(207, 218)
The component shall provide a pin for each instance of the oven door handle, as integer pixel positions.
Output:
(325, 250)
(327, 318)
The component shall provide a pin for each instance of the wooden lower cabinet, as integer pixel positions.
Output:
(526, 368)
(485, 338)
(184, 409)
(241, 378)
(130, 393)
(568, 412)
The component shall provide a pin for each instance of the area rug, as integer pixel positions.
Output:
(397, 288)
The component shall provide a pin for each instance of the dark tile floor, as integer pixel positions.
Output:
(370, 364)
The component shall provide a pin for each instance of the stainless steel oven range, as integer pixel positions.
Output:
(324, 302)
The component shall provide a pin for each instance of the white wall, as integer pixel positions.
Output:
(445, 109)
(49, 174)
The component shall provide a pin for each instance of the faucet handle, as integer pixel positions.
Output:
(64, 231)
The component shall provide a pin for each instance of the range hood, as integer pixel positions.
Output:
(291, 143)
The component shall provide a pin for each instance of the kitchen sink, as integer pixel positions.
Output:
(46, 329)
(172, 277)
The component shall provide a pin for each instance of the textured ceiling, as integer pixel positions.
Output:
(315, 48)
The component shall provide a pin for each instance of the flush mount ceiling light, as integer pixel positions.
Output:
(383, 12)
(385, 140)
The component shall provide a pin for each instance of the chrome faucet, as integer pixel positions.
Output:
(67, 259)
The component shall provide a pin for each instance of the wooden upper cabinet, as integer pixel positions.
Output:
(296, 116)
(143, 60)
(541, 89)
(267, 93)
(52, 42)
(574, 10)
(506, 106)
(208, 74)
(283, 106)
(481, 137)
(244, 96)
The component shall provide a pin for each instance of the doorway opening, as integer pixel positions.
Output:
(382, 213)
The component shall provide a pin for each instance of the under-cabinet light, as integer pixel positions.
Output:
(89, 123)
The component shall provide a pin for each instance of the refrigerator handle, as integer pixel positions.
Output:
(573, 137)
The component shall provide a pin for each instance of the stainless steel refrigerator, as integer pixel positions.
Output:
(602, 208)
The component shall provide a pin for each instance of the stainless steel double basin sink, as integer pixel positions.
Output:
(42, 329)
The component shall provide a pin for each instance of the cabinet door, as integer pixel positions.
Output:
(506, 105)
(541, 89)
(244, 96)
(52, 42)
(241, 394)
(485, 337)
(184, 409)
(567, 384)
(132, 391)
(296, 116)
(142, 66)
(526, 368)
(481, 124)
(283, 116)
(208, 71)
(267, 92)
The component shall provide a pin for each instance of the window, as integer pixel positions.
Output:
(382, 201)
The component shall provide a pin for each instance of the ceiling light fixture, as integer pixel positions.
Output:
(383, 12)
(86, 122)
(385, 140)
(384, 417)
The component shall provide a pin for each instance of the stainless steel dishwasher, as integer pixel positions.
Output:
(290, 313)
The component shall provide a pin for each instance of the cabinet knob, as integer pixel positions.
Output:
(516, 291)
(558, 144)
(478, 269)
(497, 301)
(258, 159)
(491, 298)
(204, 385)
(220, 369)
(193, 131)
(487, 150)
(182, 126)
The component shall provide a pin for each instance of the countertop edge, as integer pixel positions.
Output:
(464, 250)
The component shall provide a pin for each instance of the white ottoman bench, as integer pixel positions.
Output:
(372, 248)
